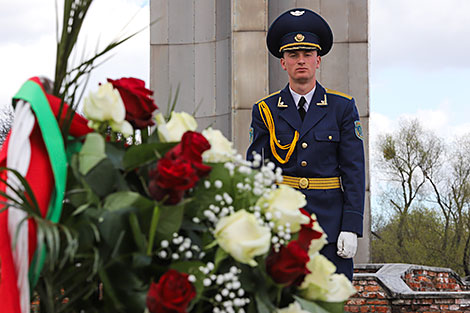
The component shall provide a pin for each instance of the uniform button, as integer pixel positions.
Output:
(303, 163)
(330, 137)
(304, 145)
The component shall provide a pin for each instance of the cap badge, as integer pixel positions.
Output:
(297, 13)
(299, 37)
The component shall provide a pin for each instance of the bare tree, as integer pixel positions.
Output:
(6, 118)
(407, 158)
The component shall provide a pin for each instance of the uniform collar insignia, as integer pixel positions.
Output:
(323, 102)
(280, 103)
(297, 13)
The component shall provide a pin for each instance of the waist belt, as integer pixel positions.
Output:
(312, 183)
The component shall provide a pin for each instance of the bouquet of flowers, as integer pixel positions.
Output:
(128, 210)
(174, 220)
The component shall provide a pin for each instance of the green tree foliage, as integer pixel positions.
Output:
(427, 198)
(422, 243)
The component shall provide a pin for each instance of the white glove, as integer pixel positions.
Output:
(347, 244)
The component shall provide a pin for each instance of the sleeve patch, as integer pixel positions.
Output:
(358, 130)
(251, 135)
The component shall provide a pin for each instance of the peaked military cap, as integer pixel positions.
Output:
(299, 29)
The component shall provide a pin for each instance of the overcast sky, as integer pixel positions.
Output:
(28, 41)
(420, 63)
(419, 59)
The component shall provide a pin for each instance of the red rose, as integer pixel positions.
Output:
(172, 294)
(180, 169)
(288, 266)
(190, 148)
(136, 98)
(171, 178)
(307, 233)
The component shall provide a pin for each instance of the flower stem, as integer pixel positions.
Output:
(153, 228)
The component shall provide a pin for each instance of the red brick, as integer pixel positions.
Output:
(462, 301)
(444, 307)
(377, 302)
(372, 288)
(365, 308)
(382, 309)
(352, 309)
(356, 301)
(445, 301)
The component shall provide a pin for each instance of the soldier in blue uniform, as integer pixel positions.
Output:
(314, 134)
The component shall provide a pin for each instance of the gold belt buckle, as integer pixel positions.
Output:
(303, 183)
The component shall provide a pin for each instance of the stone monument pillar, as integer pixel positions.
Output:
(215, 51)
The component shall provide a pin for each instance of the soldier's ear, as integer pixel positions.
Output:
(283, 63)
(318, 61)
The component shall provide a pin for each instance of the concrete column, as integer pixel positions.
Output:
(249, 64)
(190, 48)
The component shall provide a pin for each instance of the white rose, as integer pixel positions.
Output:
(242, 237)
(221, 148)
(285, 203)
(294, 307)
(315, 284)
(106, 106)
(178, 124)
(124, 127)
(339, 288)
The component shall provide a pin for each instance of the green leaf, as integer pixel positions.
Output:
(140, 260)
(139, 237)
(170, 221)
(333, 307)
(115, 153)
(126, 199)
(220, 255)
(102, 178)
(263, 304)
(320, 306)
(143, 154)
(92, 153)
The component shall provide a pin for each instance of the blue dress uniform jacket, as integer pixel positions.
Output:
(329, 145)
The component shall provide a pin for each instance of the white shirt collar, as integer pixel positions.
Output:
(307, 97)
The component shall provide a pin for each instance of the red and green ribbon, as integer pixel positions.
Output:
(33, 93)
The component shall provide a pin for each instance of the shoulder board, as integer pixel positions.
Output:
(338, 93)
(274, 93)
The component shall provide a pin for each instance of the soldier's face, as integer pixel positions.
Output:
(301, 65)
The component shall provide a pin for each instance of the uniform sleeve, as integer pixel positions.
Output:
(259, 136)
(352, 168)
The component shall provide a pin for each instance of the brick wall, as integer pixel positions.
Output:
(391, 288)
(429, 280)
(370, 297)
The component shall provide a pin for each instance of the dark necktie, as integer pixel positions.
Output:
(301, 108)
